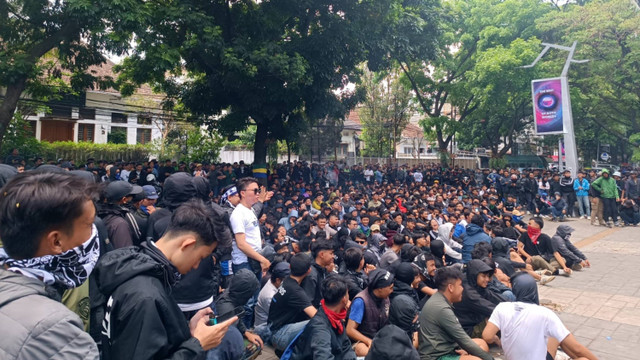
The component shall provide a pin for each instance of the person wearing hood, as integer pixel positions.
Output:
(121, 225)
(474, 234)
(561, 243)
(407, 280)
(609, 195)
(324, 337)
(398, 339)
(630, 213)
(369, 310)
(440, 331)
(243, 285)
(477, 300)
(49, 246)
(375, 242)
(529, 331)
(452, 248)
(138, 283)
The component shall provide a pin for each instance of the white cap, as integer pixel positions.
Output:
(617, 173)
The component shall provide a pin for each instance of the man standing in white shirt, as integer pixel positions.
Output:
(529, 331)
(246, 230)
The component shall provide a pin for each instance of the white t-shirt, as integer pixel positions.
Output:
(244, 220)
(368, 174)
(417, 176)
(525, 329)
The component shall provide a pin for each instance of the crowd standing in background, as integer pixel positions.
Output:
(323, 261)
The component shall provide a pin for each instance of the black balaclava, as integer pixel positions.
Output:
(524, 288)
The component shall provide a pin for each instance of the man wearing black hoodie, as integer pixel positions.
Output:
(477, 301)
(138, 282)
(398, 339)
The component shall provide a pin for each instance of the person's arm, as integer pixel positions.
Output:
(64, 334)
(490, 333)
(561, 247)
(522, 252)
(355, 335)
(573, 348)
(561, 261)
(310, 311)
(450, 324)
(244, 246)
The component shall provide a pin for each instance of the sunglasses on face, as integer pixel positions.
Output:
(256, 190)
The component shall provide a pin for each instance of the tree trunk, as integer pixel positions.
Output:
(8, 106)
(259, 145)
(288, 151)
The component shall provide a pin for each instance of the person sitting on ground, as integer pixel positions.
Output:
(322, 251)
(529, 331)
(630, 213)
(558, 207)
(354, 271)
(533, 243)
(138, 282)
(279, 271)
(369, 310)
(291, 307)
(561, 242)
(398, 339)
(324, 336)
(441, 336)
(477, 301)
(242, 287)
(508, 259)
(50, 244)
(407, 280)
(393, 253)
(474, 234)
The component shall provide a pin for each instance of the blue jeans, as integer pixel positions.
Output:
(557, 213)
(251, 304)
(285, 335)
(231, 347)
(583, 205)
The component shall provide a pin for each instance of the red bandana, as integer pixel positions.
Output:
(335, 318)
(534, 234)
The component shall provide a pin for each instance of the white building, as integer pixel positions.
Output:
(95, 114)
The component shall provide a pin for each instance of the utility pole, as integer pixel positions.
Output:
(571, 152)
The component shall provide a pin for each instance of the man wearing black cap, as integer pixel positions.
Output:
(122, 227)
(370, 310)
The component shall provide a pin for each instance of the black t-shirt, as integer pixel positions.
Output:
(288, 304)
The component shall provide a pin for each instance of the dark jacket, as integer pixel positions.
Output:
(121, 226)
(376, 313)
(401, 288)
(394, 341)
(137, 281)
(477, 303)
(312, 284)
(501, 246)
(320, 341)
(356, 282)
(243, 285)
(563, 245)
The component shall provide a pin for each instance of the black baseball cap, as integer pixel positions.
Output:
(118, 189)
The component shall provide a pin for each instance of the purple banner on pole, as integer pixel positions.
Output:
(547, 106)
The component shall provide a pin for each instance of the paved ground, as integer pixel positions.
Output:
(599, 305)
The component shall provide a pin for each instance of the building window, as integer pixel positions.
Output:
(88, 114)
(407, 150)
(58, 110)
(422, 150)
(344, 149)
(143, 136)
(117, 135)
(144, 119)
(85, 132)
(31, 128)
(118, 118)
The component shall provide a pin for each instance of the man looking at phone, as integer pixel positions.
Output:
(142, 321)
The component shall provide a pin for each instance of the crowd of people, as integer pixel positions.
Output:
(123, 260)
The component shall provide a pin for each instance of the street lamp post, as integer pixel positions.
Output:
(571, 152)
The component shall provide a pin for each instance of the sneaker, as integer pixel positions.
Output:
(543, 272)
(546, 279)
(619, 224)
(589, 217)
(576, 267)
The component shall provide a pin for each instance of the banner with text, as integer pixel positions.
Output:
(547, 106)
